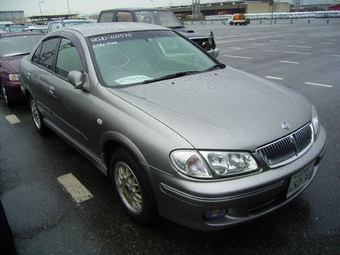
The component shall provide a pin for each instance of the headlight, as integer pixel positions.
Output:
(230, 163)
(206, 46)
(209, 164)
(190, 163)
(13, 77)
(315, 121)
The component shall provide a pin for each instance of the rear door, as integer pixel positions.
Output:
(39, 73)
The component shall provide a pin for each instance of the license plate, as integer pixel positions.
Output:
(299, 179)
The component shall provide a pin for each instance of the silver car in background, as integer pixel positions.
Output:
(180, 134)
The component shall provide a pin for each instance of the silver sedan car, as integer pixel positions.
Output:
(180, 134)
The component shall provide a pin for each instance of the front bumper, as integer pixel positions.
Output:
(14, 90)
(186, 201)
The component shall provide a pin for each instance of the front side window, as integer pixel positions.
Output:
(68, 59)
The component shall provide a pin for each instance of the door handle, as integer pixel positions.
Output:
(28, 75)
(51, 90)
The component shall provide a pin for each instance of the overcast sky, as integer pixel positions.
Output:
(32, 7)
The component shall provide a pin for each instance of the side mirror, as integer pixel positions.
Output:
(76, 79)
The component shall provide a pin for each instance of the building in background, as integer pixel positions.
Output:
(17, 17)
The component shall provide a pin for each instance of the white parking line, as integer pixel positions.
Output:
(289, 62)
(274, 78)
(326, 43)
(295, 52)
(336, 56)
(271, 50)
(235, 48)
(298, 46)
(230, 56)
(78, 192)
(319, 84)
(12, 119)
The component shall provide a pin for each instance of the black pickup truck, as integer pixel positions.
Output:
(161, 17)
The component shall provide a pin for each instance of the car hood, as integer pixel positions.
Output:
(223, 109)
(12, 63)
(189, 33)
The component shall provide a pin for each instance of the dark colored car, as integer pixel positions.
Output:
(14, 46)
(53, 25)
(161, 17)
(6, 235)
(180, 134)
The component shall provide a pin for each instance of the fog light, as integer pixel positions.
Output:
(215, 214)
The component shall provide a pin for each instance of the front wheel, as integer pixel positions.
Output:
(132, 187)
(37, 117)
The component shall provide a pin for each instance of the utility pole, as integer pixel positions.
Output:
(196, 8)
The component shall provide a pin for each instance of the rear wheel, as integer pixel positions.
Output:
(132, 187)
(37, 117)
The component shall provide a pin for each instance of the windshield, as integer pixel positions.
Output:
(163, 18)
(146, 56)
(17, 45)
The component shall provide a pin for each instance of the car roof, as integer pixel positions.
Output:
(16, 34)
(72, 20)
(136, 9)
(107, 28)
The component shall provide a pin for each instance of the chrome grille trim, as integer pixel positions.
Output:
(287, 149)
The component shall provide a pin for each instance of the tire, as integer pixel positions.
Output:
(37, 117)
(132, 187)
(7, 100)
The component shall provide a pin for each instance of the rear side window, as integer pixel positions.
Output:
(106, 17)
(124, 17)
(44, 54)
(68, 59)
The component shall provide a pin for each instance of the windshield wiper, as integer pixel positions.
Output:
(170, 76)
(16, 54)
(220, 66)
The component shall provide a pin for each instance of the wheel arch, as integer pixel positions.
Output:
(110, 141)
(27, 93)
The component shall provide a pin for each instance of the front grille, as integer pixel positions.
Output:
(287, 149)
